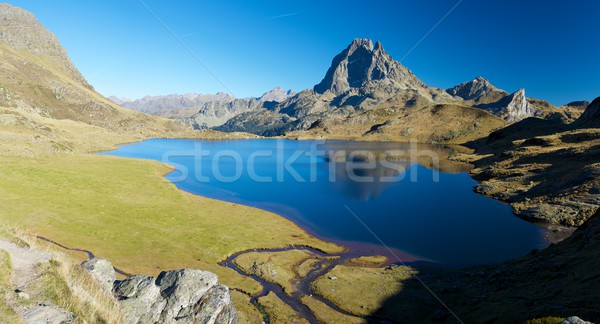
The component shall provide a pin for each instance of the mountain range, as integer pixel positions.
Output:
(365, 94)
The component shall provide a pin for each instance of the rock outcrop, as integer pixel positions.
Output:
(182, 296)
(102, 271)
(477, 91)
(512, 108)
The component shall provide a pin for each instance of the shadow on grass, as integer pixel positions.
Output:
(559, 281)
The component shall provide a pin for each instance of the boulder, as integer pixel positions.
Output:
(182, 296)
(185, 296)
(102, 271)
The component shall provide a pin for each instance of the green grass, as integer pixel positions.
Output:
(361, 290)
(125, 211)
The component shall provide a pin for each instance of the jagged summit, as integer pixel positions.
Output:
(361, 63)
(21, 31)
(478, 90)
(513, 107)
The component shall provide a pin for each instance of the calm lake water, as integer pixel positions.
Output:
(358, 194)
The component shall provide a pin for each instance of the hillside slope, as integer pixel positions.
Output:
(46, 106)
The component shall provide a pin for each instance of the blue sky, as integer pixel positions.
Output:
(551, 48)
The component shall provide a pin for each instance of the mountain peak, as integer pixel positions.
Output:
(361, 42)
(20, 30)
(277, 94)
(479, 90)
(361, 63)
(513, 107)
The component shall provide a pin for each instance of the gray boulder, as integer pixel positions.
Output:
(102, 271)
(182, 296)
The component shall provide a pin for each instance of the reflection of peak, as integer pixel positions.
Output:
(360, 63)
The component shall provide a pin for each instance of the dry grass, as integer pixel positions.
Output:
(446, 123)
(276, 267)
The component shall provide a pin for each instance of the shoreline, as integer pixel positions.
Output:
(548, 234)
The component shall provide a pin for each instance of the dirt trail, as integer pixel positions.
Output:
(25, 270)
(24, 262)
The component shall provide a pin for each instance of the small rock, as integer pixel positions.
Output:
(23, 295)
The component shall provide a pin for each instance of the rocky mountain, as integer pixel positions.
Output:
(512, 108)
(361, 64)
(216, 113)
(203, 110)
(366, 93)
(46, 106)
(477, 91)
(173, 105)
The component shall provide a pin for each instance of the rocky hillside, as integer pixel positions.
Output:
(546, 169)
(477, 91)
(47, 107)
(172, 106)
(216, 113)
